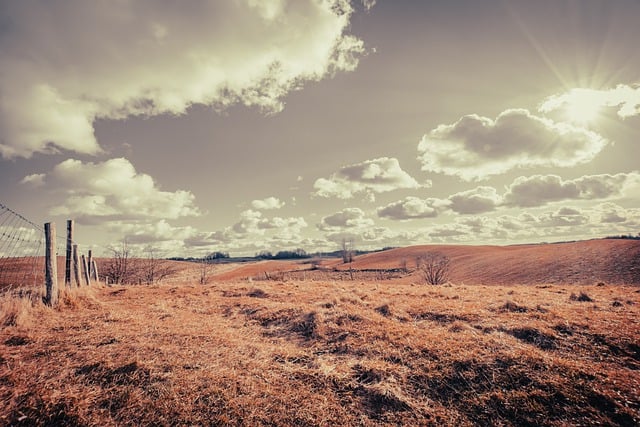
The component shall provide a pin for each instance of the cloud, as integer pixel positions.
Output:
(538, 190)
(254, 232)
(346, 218)
(611, 213)
(254, 223)
(475, 201)
(369, 177)
(564, 217)
(35, 180)
(66, 64)
(113, 191)
(267, 204)
(476, 147)
(412, 208)
(626, 98)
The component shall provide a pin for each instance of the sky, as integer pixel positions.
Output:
(264, 125)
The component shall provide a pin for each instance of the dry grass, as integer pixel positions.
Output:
(322, 353)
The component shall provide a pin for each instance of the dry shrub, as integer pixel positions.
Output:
(583, 297)
(434, 268)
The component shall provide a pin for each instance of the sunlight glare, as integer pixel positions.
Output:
(582, 111)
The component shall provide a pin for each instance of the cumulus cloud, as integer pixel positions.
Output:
(475, 201)
(538, 190)
(255, 223)
(346, 218)
(66, 64)
(254, 232)
(626, 98)
(563, 217)
(476, 147)
(369, 177)
(612, 213)
(113, 191)
(412, 208)
(267, 204)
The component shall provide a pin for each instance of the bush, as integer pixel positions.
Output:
(434, 268)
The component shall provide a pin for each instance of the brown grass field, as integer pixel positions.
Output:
(522, 336)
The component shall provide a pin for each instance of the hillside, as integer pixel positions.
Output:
(610, 261)
(585, 262)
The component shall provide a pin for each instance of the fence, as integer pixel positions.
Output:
(23, 263)
(21, 250)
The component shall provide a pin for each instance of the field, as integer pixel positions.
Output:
(394, 351)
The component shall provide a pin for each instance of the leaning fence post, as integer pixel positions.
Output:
(85, 271)
(51, 264)
(76, 265)
(94, 269)
(67, 265)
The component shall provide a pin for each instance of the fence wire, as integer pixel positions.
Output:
(21, 250)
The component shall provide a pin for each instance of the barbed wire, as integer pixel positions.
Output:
(21, 249)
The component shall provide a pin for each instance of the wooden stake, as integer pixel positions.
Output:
(94, 269)
(90, 263)
(85, 271)
(76, 265)
(67, 265)
(51, 265)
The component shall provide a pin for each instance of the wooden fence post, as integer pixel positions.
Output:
(95, 270)
(67, 265)
(90, 263)
(76, 265)
(51, 265)
(85, 271)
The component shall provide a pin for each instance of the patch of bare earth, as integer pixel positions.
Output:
(323, 353)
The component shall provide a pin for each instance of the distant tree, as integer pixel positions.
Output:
(347, 248)
(264, 255)
(297, 254)
(434, 267)
(216, 256)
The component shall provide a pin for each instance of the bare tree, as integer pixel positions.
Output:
(347, 250)
(118, 269)
(122, 268)
(205, 270)
(434, 267)
(155, 269)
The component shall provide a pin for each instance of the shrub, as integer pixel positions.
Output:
(434, 268)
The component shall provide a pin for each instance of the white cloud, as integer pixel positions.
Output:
(267, 204)
(412, 208)
(114, 191)
(346, 218)
(475, 201)
(35, 180)
(253, 223)
(538, 190)
(476, 147)
(66, 64)
(626, 98)
(369, 177)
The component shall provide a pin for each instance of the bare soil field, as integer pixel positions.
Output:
(614, 261)
(324, 352)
